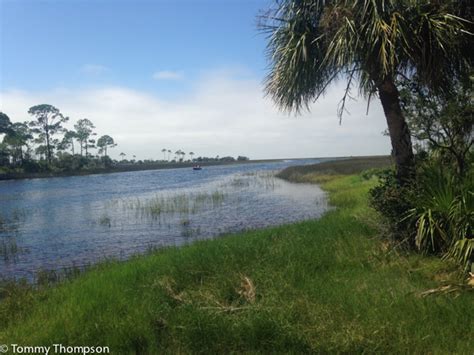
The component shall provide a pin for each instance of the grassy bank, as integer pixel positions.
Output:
(328, 285)
(328, 169)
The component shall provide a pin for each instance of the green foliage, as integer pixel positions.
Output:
(5, 123)
(16, 140)
(372, 44)
(443, 122)
(105, 142)
(68, 141)
(48, 122)
(393, 201)
(434, 213)
(36, 147)
(444, 215)
(312, 43)
(84, 130)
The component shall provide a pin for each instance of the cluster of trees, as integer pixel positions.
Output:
(416, 58)
(44, 144)
(180, 156)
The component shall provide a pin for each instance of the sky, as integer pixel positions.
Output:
(175, 74)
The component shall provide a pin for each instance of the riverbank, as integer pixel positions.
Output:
(327, 285)
(120, 168)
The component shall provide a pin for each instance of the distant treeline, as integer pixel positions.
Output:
(45, 145)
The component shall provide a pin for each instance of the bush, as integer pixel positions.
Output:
(69, 162)
(393, 202)
(443, 215)
(32, 166)
(434, 214)
(371, 173)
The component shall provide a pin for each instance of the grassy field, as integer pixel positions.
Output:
(328, 285)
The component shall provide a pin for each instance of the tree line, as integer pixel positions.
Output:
(43, 143)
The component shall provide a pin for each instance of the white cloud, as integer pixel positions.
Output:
(223, 115)
(168, 75)
(94, 69)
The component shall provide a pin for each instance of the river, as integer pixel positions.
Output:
(59, 223)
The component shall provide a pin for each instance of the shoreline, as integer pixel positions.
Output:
(121, 169)
(146, 167)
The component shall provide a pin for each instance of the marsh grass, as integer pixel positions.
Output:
(261, 179)
(160, 206)
(255, 179)
(321, 286)
(333, 168)
(105, 220)
(163, 208)
(9, 249)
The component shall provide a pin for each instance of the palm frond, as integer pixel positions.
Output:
(312, 43)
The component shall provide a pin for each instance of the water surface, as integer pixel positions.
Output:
(56, 223)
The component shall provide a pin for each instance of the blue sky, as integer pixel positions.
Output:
(182, 74)
(46, 44)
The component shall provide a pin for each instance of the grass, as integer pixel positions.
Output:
(182, 203)
(327, 170)
(328, 285)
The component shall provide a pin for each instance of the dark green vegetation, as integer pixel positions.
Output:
(329, 285)
(373, 45)
(434, 211)
(43, 147)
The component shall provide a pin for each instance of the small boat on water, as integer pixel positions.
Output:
(197, 167)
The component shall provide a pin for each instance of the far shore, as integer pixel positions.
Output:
(120, 168)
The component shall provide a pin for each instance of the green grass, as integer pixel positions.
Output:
(345, 166)
(329, 285)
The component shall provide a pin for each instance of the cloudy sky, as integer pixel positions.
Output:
(182, 74)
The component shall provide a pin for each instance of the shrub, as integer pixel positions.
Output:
(443, 215)
(393, 201)
(433, 214)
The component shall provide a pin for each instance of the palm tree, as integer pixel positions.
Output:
(191, 154)
(169, 154)
(122, 155)
(164, 153)
(313, 43)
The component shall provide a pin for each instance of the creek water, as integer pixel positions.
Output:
(59, 223)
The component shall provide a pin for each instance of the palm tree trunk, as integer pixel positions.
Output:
(398, 129)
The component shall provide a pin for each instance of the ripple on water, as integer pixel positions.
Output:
(76, 221)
